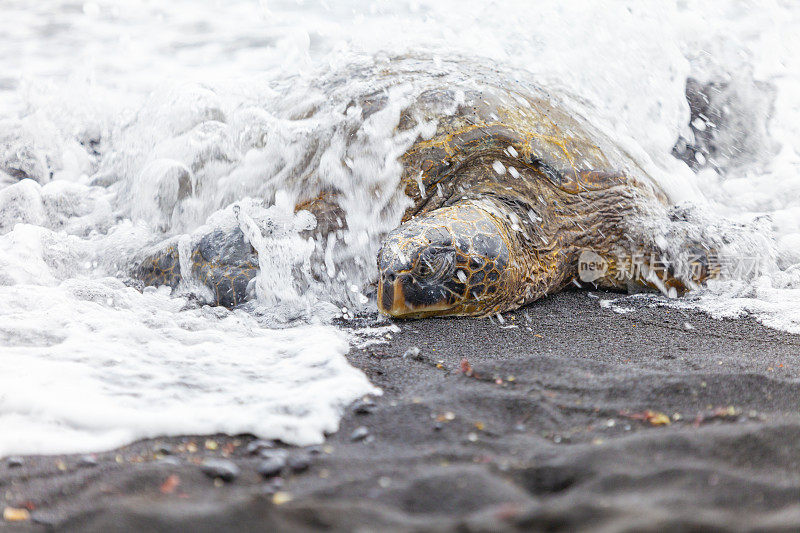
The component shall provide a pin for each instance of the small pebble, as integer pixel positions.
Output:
(257, 445)
(15, 462)
(272, 486)
(169, 461)
(363, 407)
(314, 450)
(87, 461)
(220, 468)
(14, 514)
(44, 518)
(268, 454)
(280, 497)
(413, 353)
(271, 467)
(163, 449)
(438, 426)
(360, 433)
(299, 463)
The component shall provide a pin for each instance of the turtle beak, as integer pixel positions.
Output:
(393, 270)
(402, 296)
(392, 287)
(391, 300)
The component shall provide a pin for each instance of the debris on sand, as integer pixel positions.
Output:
(447, 416)
(653, 418)
(15, 514)
(280, 497)
(170, 484)
(466, 368)
(726, 414)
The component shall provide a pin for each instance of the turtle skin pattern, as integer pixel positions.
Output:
(222, 262)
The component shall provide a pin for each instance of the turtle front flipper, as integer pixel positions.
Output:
(633, 270)
(220, 260)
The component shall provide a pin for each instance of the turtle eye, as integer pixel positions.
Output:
(435, 263)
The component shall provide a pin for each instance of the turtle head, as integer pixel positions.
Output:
(456, 260)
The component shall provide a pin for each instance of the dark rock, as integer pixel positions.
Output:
(363, 407)
(267, 453)
(273, 485)
(14, 462)
(314, 450)
(220, 468)
(271, 467)
(257, 445)
(360, 433)
(299, 463)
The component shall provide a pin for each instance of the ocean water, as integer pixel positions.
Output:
(138, 121)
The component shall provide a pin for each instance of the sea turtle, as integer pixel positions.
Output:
(510, 197)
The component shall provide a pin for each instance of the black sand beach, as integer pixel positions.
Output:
(568, 416)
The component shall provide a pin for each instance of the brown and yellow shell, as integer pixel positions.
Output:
(512, 132)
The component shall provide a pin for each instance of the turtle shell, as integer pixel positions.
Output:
(512, 130)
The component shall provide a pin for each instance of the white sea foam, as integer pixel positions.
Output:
(91, 363)
(140, 121)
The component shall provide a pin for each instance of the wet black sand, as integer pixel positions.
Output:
(549, 430)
